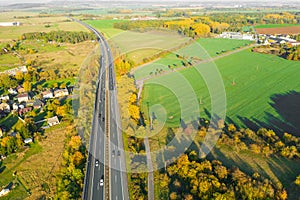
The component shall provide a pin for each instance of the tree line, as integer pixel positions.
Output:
(60, 36)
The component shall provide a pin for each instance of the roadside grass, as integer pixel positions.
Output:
(275, 25)
(35, 166)
(256, 78)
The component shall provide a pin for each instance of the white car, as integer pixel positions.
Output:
(101, 182)
(97, 163)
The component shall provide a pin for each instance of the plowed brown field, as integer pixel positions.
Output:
(281, 30)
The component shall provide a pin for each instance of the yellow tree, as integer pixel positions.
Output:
(201, 29)
(19, 76)
(27, 86)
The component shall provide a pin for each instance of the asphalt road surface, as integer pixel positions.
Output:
(118, 187)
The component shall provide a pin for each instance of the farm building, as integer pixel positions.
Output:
(10, 23)
(236, 35)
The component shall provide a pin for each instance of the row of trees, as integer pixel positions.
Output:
(191, 178)
(71, 178)
(60, 36)
(196, 26)
(286, 51)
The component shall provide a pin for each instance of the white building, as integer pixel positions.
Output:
(28, 140)
(236, 35)
(10, 23)
(23, 97)
(47, 95)
(61, 93)
(53, 121)
(12, 91)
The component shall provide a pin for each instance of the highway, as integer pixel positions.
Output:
(106, 143)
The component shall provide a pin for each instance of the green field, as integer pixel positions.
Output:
(105, 26)
(204, 48)
(275, 25)
(210, 47)
(256, 78)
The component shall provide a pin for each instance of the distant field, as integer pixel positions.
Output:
(35, 24)
(275, 25)
(138, 45)
(106, 26)
(256, 78)
(204, 48)
(280, 30)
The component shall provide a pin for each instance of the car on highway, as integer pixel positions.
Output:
(119, 153)
(97, 163)
(101, 182)
(113, 153)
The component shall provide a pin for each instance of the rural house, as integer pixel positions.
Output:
(47, 94)
(53, 121)
(24, 110)
(4, 97)
(61, 93)
(38, 104)
(20, 89)
(24, 97)
(5, 107)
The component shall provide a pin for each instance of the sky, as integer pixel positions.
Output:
(5, 2)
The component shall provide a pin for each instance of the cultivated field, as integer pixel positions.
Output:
(279, 30)
(275, 25)
(139, 45)
(202, 49)
(250, 80)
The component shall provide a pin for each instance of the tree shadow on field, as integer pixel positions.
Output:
(287, 106)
